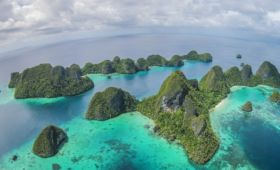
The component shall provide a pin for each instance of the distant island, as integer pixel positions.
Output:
(46, 81)
(129, 66)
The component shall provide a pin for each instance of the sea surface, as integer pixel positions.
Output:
(248, 141)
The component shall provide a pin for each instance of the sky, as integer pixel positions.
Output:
(26, 19)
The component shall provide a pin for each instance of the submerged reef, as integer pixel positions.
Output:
(110, 103)
(49, 141)
(47, 81)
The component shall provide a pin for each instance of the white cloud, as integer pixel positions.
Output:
(24, 18)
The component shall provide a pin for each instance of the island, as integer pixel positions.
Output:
(181, 114)
(47, 81)
(275, 97)
(129, 66)
(247, 107)
(110, 103)
(49, 141)
(238, 56)
(193, 55)
(180, 109)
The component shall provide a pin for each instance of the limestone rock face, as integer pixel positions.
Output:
(246, 72)
(198, 126)
(173, 91)
(110, 103)
(49, 141)
(189, 107)
(247, 107)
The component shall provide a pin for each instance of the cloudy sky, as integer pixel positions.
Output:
(22, 19)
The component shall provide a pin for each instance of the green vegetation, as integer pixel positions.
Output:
(175, 61)
(233, 76)
(128, 66)
(268, 74)
(49, 141)
(15, 77)
(181, 113)
(142, 64)
(193, 55)
(47, 81)
(181, 107)
(110, 103)
(156, 60)
(215, 80)
(247, 107)
(275, 97)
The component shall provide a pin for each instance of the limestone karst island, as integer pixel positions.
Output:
(150, 85)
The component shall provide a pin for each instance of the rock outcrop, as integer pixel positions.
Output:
(110, 103)
(173, 91)
(275, 97)
(49, 141)
(247, 107)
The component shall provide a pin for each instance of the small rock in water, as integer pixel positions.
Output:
(15, 157)
(238, 56)
(147, 126)
(156, 128)
(247, 107)
(56, 167)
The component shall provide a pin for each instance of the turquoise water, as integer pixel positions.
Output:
(29, 116)
(248, 141)
(125, 142)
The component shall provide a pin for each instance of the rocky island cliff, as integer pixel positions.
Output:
(110, 103)
(47, 81)
(49, 141)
